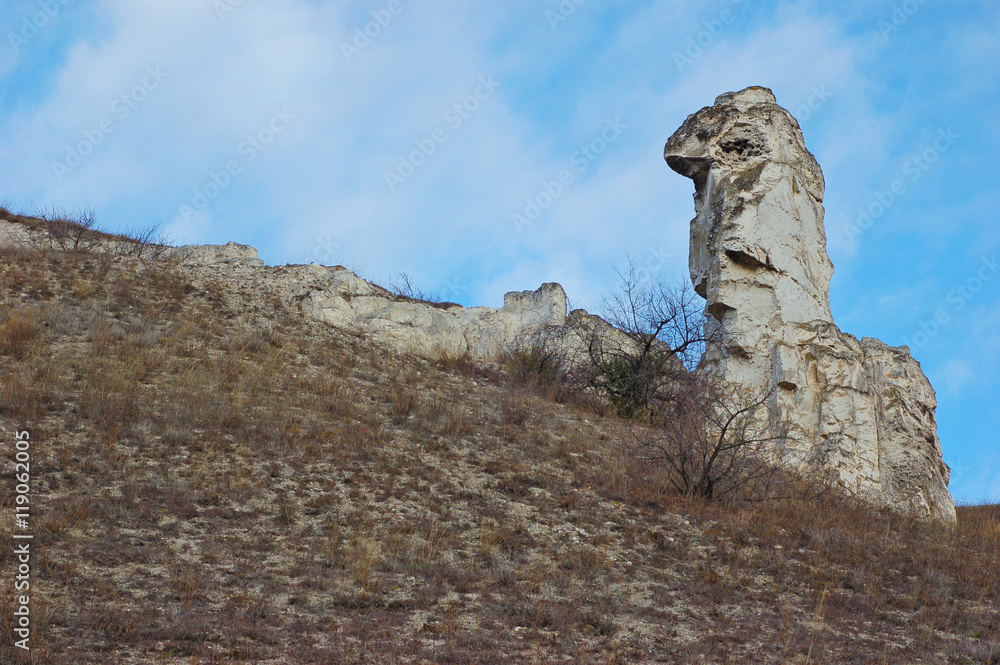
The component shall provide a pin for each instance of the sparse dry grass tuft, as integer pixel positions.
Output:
(18, 330)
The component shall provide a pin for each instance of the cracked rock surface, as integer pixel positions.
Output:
(758, 257)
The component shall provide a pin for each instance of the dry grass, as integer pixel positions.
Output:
(219, 481)
(18, 330)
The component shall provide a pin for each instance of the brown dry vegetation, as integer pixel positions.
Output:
(217, 480)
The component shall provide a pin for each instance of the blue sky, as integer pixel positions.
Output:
(275, 123)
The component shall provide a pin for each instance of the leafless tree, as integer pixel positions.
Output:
(718, 439)
(660, 337)
(659, 315)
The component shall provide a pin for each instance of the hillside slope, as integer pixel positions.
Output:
(216, 479)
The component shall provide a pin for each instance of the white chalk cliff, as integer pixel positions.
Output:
(758, 257)
(431, 330)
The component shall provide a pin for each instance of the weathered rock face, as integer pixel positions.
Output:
(431, 330)
(231, 252)
(13, 235)
(758, 257)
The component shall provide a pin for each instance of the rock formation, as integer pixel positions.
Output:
(336, 296)
(431, 330)
(758, 257)
(231, 252)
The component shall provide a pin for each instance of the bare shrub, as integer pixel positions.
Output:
(630, 362)
(717, 439)
(659, 313)
(143, 242)
(402, 285)
(661, 334)
(79, 232)
(534, 360)
(68, 232)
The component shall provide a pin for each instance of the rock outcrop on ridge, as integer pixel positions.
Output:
(231, 252)
(758, 257)
(432, 330)
(334, 295)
